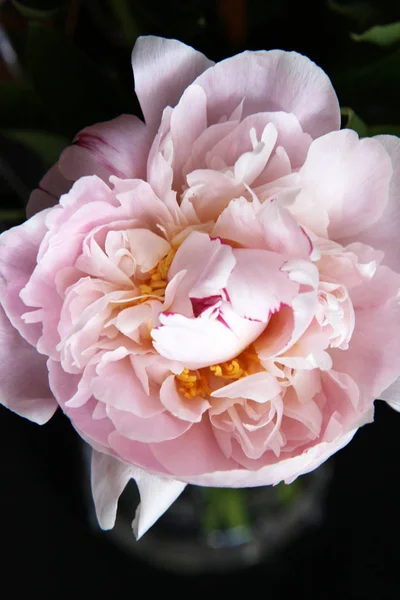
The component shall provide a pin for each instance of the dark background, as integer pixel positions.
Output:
(50, 550)
(48, 547)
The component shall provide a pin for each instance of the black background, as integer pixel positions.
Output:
(50, 550)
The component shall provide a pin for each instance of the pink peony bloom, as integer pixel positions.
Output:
(210, 296)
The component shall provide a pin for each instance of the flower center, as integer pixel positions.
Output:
(156, 283)
(196, 383)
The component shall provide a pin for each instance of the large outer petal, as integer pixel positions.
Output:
(384, 234)
(117, 147)
(18, 251)
(284, 470)
(272, 81)
(163, 69)
(373, 356)
(349, 179)
(24, 386)
(109, 478)
(51, 187)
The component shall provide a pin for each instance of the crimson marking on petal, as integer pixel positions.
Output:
(219, 239)
(90, 142)
(309, 241)
(221, 319)
(199, 305)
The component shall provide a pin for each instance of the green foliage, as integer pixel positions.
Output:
(39, 9)
(381, 35)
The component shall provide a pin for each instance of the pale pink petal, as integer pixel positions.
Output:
(202, 146)
(64, 386)
(162, 70)
(180, 407)
(117, 147)
(135, 453)
(272, 81)
(18, 251)
(51, 187)
(346, 177)
(372, 358)
(392, 395)
(188, 121)
(257, 286)
(283, 470)
(202, 453)
(24, 379)
(202, 342)
(147, 248)
(117, 385)
(287, 326)
(109, 477)
(259, 387)
(384, 233)
(156, 496)
(241, 222)
(157, 428)
(208, 264)
(268, 226)
(290, 136)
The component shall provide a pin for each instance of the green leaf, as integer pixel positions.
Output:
(47, 145)
(70, 86)
(38, 10)
(384, 130)
(373, 89)
(358, 11)
(354, 122)
(381, 35)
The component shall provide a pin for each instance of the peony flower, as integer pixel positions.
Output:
(211, 296)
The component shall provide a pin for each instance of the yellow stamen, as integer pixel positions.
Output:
(196, 383)
(156, 283)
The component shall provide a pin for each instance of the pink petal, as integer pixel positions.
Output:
(117, 147)
(287, 326)
(51, 187)
(208, 265)
(24, 379)
(117, 386)
(64, 386)
(202, 342)
(135, 453)
(163, 69)
(18, 252)
(180, 407)
(349, 178)
(272, 81)
(384, 233)
(260, 387)
(283, 470)
(238, 141)
(156, 496)
(257, 287)
(139, 201)
(188, 121)
(372, 358)
(392, 395)
(157, 428)
(109, 477)
(195, 452)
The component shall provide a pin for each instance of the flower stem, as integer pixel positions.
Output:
(225, 509)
